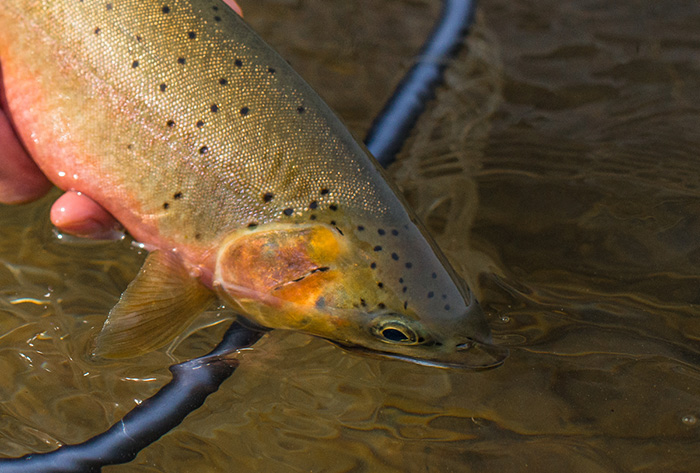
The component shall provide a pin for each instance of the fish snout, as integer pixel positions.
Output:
(472, 346)
(464, 342)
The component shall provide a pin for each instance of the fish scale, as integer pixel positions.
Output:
(180, 121)
(237, 154)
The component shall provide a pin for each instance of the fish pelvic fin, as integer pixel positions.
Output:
(157, 306)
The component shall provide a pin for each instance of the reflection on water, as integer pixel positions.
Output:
(559, 171)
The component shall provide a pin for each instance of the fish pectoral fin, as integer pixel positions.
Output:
(157, 306)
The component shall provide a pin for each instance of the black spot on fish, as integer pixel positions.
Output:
(288, 212)
(217, 18)
(214, 108)
(138, 38)
(394, 256)
(271, 70)
(223, 81)
(373, 265)
(200, 124)
(381, 231)
(332, 222)
(380, 285)
(252, 224)
(109, 6)
(313, 204)
(333, 207)
(405, 305)
(401, 280)
(444, 296)
(181, 60)
(381, 305)
(395, 232)
(300, 110)
(203, 150)
(447, 306)
(321, 302)
(197, 236)
(244, 111)
(324, 191)
(267, 196)
(377, 248)
(409, 265)
(238, 63)
(166, 205)
(431, 294)
(170, 123)
(166, 9)
(363, 303)
(312, 217)
(97, 31)
(434, 275)
(163, 87)
(129, 146)
(215, 8)
(135, 64)
(404, 289)
(192, 35)
(177, 195)
(360, 228)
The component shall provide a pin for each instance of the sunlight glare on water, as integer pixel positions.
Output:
(559, 171)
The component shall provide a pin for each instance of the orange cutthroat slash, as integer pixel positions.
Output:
(181, 122)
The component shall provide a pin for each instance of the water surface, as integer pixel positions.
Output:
(558, 169)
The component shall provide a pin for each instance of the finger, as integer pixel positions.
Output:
(234, 6)
(20, 178)
(78, 215)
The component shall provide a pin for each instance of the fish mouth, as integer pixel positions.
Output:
(470, 355)
(464, 345)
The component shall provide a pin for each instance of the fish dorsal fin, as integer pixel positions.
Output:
(157, 305)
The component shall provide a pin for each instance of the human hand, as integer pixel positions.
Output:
(22, 181)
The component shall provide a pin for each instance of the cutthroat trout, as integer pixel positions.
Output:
(182, 123)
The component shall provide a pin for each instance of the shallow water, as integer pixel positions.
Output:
(558, 169)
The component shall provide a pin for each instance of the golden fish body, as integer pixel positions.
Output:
(180, 121)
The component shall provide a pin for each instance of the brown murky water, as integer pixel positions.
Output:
(559, 169)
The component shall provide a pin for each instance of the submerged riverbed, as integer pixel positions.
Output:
(559, 170)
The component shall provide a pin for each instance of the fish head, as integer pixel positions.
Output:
(381, 291)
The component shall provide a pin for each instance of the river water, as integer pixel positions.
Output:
(558, 169)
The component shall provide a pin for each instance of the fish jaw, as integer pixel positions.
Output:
(315, 278)
(469, 347)
(108, 128)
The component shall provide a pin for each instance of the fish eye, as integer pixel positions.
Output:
(396, 331)
(395, 334)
